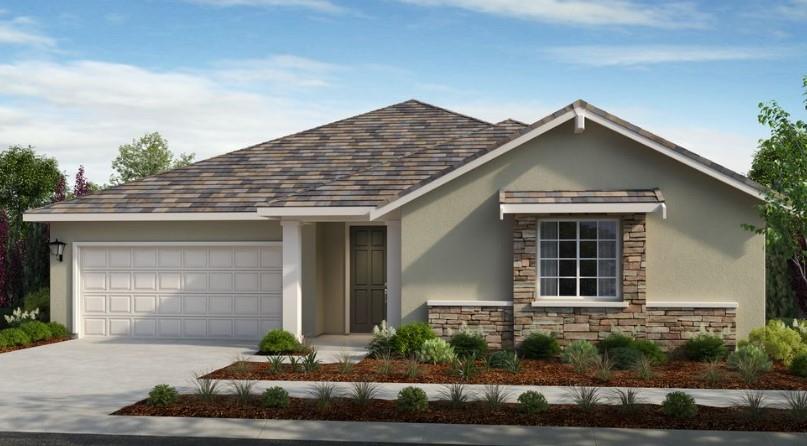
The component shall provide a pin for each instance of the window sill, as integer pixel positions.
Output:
(579, 304)
(469, 303)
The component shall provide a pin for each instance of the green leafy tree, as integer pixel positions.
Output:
(27, 180)
(147, 155)
(781, 165)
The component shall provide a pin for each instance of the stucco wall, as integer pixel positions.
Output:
(331, 276)
(455, 247)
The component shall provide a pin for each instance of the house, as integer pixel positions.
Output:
(579, 224)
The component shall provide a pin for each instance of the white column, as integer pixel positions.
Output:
(292, 277)
(394, 272)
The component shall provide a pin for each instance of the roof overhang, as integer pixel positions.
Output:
(307, 212)
(147, 216)
(583, 208)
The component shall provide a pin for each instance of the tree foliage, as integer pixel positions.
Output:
(27, 180)
(147, 155)
(781, 165)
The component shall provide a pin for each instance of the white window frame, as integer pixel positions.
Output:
(539, 238)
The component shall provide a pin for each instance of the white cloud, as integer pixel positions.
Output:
(793, 9)
(634, 55)
(284, 69)
(586, 12)
(21, 31)
(316, 5)
(80, 112)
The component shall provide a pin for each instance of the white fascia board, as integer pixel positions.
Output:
(153, 216)
(581, 208)
(675, 155)
(532, 134)
(579, 303)
(690, 304)
(336, 211)
(469, 303)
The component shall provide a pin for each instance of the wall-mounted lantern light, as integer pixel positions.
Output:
(57, 248)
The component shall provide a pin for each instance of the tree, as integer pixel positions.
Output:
(27, 180)
(147, 155)
(4, 298)
(81, 186)
(60, 193)
(781, 165)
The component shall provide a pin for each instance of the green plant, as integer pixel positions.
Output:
(295, 363)
(798, 366)
(36, 330)
(310, 362)
(162, 395)
(279, 342)
(345, 362)
(412, 369)
(38, 300)
(454, 394)
(206, 388)
(603, 368)
(14, 337)
(363, 392)
(704, 347)
(275, 364)
(323, 394)
(499, 359)
(57, 330)
(753, 402)
(385, 365)
(242, 391)
(412, 399)
(628, 399)
(275, 398)
(494, 396)
(469, 343)
(585, 398)
(643, 368)
(410, 337)
(679, 405)
(540, 346)
(750, 361)
(436, 351)
(383, 341)
(779, 341)
(465, 368)
(532, 402)
(615, 340)
(624, 357)
(241, 364)
(650, 350)
(581, 355)
(797, 404)
(513, 363)
(712, 374)
(18, 316)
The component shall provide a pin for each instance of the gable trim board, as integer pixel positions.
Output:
(147, 216)
(582, 208)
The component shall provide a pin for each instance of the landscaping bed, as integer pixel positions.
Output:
(674, 374)
(35, 344)
(643, 416)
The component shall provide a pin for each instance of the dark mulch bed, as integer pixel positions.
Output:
(683, 374)
(645, 416)
(35, 344)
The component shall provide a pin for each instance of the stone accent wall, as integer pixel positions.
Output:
(495, 321)
(672, 326)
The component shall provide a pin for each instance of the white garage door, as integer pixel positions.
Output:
(190, 290)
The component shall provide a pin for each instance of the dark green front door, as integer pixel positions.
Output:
(368, 277)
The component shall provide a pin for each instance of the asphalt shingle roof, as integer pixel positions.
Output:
(580, 196)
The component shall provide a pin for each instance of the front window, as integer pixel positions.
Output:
(578, 258)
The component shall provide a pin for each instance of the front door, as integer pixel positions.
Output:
(368, 277)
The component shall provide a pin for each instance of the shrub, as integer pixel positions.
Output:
(465, 368)
(603, 367)
(19, 316)
(345, 362)
(500, 359)
(704, 347)
(532, 402)
(385, 365)
(753, 402)
(162, 395)
(363, 392)
(798, 366)
(383, 341)
(412, 399)
(628, 399)
(712, 374)
(624, 357)
(494, 396)
(679, 405)
(751, 361)
(412, 369)
(323, 393)
(38, 300)
(310, 362)
(779, 341)
(650, 350)
(14, 337)
(410, 337)
(436, 351)
(540, 346)
(454, 394)
(36, 330)
(275, 364)
(206, 388)
(275, 398)
(615, 340)
(581, 355)
(643, 368)
(797, 404)
(585, 398)
(279, 342)
(242, 391)
(467, 343)
(58, 330)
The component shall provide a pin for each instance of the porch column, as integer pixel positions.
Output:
(394, 272)
(292, 277)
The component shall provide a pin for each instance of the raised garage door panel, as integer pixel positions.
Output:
(185, 291)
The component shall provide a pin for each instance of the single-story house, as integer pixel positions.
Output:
(580, 224)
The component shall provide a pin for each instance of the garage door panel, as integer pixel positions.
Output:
(204, 291)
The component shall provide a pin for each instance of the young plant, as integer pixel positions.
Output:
(513, 363)
(643, 368)
(163, 395)
(436, 351)
(751, 362)
(410, 338)
(279, 342)
(540, 346)
(799, 365)
(275, 364)
(206, 388)
(705, 347)
(323, 394)
(363, 392)
(778, 340)
(469, 343)
(585, 398)
(712, 374)
(797, 404)
(465, 368)
(240, 364)
(383, 341)
(603, 368)
(532, 402)
(753, 402)
(412, 399)
(242, 391)
(582, 355)
(679, 405)
(275, 398)
(385, 365)
(345, 362)
(310, 362)
(295, 363)
(412, 368)
(628, 399)
(494, 397)
(454, 394)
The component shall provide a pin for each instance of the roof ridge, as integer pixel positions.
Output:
(437, 107)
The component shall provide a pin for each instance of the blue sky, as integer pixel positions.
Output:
(79, 78)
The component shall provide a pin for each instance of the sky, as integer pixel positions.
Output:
(80, 78)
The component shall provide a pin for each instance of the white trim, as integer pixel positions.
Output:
(76, 290)
(579, 303)
(579, 120)
(116, 244)
(151, 216)
(393, 291)
(389, 207)
(292, 277)
(691, 304)
(469, 303)
(581, 208)
(344, 211)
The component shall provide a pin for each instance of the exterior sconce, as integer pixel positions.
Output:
(57, 248)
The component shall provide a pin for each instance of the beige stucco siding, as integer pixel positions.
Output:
(331, 276)
(454, 246)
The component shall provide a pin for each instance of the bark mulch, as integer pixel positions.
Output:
(35, 344)
(642, 417)
(682, 374)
